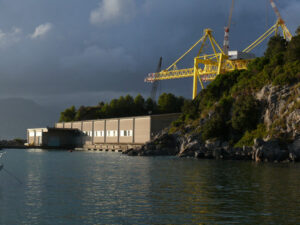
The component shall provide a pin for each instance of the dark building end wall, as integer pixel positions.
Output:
(160, 122)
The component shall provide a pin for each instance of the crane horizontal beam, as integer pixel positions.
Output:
(210, 69)
(206, 67)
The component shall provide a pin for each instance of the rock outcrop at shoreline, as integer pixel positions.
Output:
(279, 113)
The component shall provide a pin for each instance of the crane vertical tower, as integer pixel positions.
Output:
(155, 82)
(226, 35)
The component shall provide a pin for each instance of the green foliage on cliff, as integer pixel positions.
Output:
(228, 106)
(218, 124)
(249, 136)
(124, 106)
(245, 113)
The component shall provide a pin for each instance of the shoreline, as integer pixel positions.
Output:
(167, 144)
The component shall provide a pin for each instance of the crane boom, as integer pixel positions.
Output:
(286, 33)
(276, 10)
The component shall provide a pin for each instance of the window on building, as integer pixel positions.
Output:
(111, 133)
(31, 134)
(99, 133)
(125, 133)
(38, 133)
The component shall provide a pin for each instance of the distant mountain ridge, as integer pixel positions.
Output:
(18, 114)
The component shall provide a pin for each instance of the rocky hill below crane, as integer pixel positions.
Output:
(249, 115)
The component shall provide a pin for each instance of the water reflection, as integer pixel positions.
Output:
(213, 191)
(36, 150)
(110, 188)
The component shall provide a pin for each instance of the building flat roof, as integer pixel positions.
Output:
(127, 117)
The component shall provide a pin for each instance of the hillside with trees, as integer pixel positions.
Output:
(253, 113)
(125, 107)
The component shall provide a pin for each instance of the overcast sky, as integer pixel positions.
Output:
(64, 52)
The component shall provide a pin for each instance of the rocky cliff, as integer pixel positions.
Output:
(280, 113)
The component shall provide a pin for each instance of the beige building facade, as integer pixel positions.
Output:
(121, 131)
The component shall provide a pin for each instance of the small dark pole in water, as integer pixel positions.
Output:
(9, 173)
(12, 175)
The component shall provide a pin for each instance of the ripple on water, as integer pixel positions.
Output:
(109, 188)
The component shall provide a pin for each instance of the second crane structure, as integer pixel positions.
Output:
(208, 66)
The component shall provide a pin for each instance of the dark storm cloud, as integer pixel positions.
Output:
(62, 50)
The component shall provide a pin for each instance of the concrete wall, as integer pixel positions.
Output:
(59, 125)
(112, 131)
(126, 130)
(87, 129)
(35, 136)
(30, 137)
(77, 125)
(68, 125)
(142, 127)
(99, 131)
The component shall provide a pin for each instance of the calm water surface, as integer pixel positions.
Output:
(109, 188)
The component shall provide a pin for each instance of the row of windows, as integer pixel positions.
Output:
(99, 133)
(37, 134)
(110, 133)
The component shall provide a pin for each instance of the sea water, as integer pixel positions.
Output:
(61, 187)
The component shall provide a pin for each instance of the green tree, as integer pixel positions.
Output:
(276, 45)
(139, 105)
(168, 103)
(113, 110)
(298, 31)
(190, 109)
(68, 115)
(86, 113)
(245, 115)
(218, 125)
(293, 49)
(150, 106)
(129, 105)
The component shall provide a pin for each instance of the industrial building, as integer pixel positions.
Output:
(114, 133)
(52, 137)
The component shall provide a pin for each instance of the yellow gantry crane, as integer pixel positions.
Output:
(208, 66)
